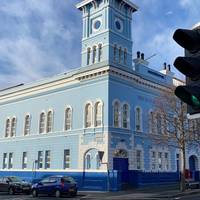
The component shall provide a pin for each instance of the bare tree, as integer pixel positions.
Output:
(172, 127)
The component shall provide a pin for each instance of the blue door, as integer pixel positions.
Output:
(121, 164)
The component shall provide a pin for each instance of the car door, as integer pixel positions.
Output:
(5, 184)
(43, 186)
(1, 184)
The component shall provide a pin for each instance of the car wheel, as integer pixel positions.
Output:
(11, 191)
(57, 193)
(34, 193)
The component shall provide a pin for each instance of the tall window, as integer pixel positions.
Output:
(116, 114)
(88, 115)
(125, 117)
(88, 161)
(27, 125)
(100, 52)
(47, 159)
(88, 56)
(159, 123)
(10, 161)
(40, 159)
(24, 160)
(151, 122)
(120, 55)
(153, 160)
(5, 161)
(66, 158)
(160, 160)
(7, 130)
(94, 54)
(49, 121)
(138, 159)
(68, 119)
(42, 123)
(125, 56)
(98, 114)
(115, 52)
(13, 127)
(166, 161)
(138, 119)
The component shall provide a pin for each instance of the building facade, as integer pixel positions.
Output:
(58, 125)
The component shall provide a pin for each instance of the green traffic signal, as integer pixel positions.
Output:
(195, 101)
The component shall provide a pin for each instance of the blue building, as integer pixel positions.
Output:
(59, 124)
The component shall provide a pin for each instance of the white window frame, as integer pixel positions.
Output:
(7, 128)
(13, 127)
(67, 159)
(86, 121)
(127, 116)
(98, 117)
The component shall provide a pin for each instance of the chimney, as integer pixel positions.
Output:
(169, 67)
(165, 65)
(142, 56)
(138, 54)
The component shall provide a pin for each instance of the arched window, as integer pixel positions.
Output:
(115, 52)
(138, 119)
(7, 130)
(88, 115)
(42, 123)
(100, 52)
(116, 114)
(88, 161)
(125, 56)
(125, 116)
(49, 121)
(27, 125)
(98, 114)
(88, 56)
(68, 119)
(94, 54)
(120, 54)
(13, 127)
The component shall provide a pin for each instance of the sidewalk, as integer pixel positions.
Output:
(150, 192)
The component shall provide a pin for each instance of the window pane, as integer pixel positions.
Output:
(27, 125)
(13, 127)
(47, 159)
(42, 123)
(7, 131)
(66, 158)
(40, 159)
(10, 161)
(88, 116)
(68, 116)
(98, 114)
(125, 116)
(5, 161)
(116, 114)
(49, 121)
(24, 160)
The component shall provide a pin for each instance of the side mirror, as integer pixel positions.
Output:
(7, 181)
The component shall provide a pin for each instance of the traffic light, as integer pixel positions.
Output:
(189, 65)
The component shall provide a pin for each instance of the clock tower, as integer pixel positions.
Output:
(106, 36)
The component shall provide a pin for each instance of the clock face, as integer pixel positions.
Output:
(119, 24)
(97, 24)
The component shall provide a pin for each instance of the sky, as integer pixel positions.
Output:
(42, 38)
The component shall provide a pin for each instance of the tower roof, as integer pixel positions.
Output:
(128, 2)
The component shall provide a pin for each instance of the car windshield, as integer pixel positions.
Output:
(68, 180)
(15, 179)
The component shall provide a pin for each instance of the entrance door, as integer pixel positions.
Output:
(121, 164)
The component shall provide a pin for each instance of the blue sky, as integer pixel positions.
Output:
(43, 38)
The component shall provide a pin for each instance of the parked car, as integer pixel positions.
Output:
(55, 185)
(13, 184)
